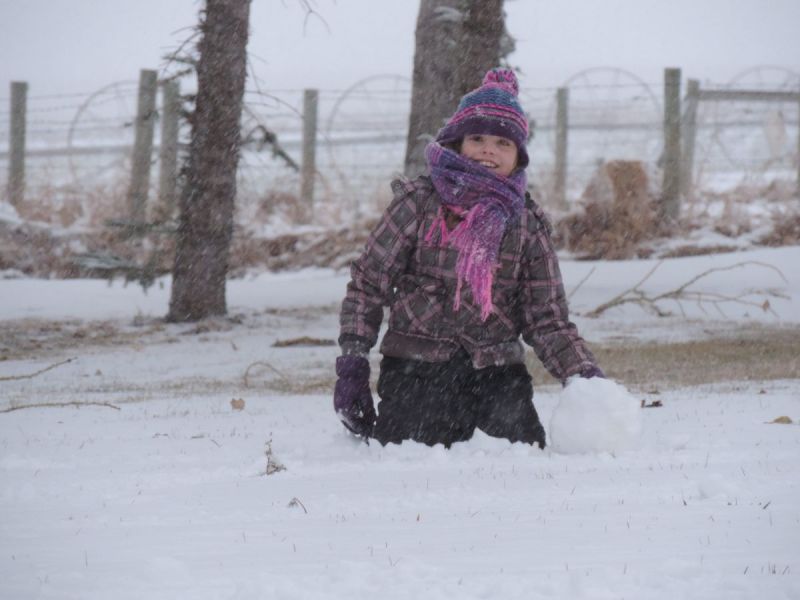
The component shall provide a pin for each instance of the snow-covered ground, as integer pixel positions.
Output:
(159, 487)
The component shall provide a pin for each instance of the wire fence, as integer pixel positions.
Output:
(79, 143)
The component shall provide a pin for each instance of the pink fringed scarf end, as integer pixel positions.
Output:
(440, 225)
(476, 261)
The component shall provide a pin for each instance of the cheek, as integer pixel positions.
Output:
(468, 149)
(511, 155)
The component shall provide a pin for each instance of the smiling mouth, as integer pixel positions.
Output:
(488, 164)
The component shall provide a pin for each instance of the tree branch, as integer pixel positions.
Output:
(310, 12)
(58, 405)
(580, 283)
(262, 364)
(39, 372)
(624, 297)
(634, 295)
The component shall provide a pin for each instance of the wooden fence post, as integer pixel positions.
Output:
(562, 131)
(16, 155)
(798, 148)
(670, 190)
(688, 137)
(309, 168)
(142, 147)
(168, 151)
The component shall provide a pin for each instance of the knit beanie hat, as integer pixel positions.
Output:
(491, 109)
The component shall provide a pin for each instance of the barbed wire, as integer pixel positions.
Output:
(608, 119)
(58, 96)
(52, 109)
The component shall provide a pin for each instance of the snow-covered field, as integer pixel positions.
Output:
(161, 489)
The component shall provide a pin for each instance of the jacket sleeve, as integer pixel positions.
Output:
(546, 325)
(373, 274)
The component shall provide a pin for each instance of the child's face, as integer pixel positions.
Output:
(494, 152)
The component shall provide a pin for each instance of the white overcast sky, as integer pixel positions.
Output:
(65, 46)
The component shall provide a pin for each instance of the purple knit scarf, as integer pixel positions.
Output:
(486, 202)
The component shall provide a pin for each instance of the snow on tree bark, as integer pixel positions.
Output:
(205, 224)
(457, 41)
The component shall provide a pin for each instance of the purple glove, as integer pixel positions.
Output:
(352, 398)
(593, 371)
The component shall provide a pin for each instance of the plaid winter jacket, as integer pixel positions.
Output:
(417, 281)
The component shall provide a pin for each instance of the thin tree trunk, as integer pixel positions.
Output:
(205, 223)
(457, 41)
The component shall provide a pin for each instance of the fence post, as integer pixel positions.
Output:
(168, 151)
(670, 190)
(142, 147)
(562, 130)
(688, 137)
(309, 168)
(16, 154)
(798, 148)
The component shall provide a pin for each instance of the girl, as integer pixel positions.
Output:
(464, 261)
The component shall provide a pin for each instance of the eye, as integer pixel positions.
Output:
(504, 142)
(475, 137)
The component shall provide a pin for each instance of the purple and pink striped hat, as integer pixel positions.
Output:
(493, 109)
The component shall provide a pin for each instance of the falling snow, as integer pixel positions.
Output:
(177, 494)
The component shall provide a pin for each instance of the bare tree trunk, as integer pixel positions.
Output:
(457, 41)
(434, 90)
(205, 223)
(482, 43)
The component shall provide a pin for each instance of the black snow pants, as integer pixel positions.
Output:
(443, 403)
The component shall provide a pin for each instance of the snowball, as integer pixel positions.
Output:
(595, 415)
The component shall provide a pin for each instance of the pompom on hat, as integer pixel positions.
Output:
(492, 109)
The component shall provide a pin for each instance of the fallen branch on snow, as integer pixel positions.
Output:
(262, 363)
(302, 341)
(39, 372)
(58, 405)
(580, 283)
(635, 295)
